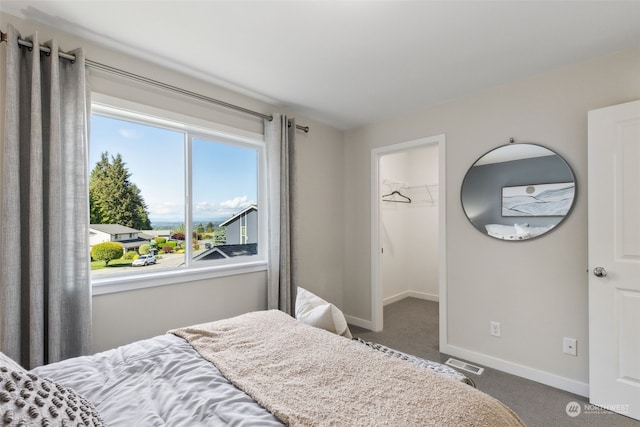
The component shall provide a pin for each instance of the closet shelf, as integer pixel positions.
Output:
(415, 193)
(427, 193)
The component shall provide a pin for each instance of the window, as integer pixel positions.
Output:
(144, 170)
(243, 234)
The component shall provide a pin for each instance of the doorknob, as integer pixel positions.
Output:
(600, 272)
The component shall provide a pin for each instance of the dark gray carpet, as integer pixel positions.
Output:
(411, 326)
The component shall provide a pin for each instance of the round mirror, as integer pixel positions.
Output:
(518, 192)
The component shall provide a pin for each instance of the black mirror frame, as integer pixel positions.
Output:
(563, 218)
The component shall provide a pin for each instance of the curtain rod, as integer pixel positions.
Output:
(123, 73)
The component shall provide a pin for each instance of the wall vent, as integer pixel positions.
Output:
(464, 366)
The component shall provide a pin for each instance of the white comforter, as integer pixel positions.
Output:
(161, 381)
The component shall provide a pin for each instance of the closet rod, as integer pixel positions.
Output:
(123, 73)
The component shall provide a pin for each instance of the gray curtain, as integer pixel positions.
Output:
(45, 288)
(280, 139)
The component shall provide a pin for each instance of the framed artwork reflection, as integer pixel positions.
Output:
(553, 199)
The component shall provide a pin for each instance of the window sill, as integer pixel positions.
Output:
(111, 285)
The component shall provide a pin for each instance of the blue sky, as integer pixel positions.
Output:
(224, 176)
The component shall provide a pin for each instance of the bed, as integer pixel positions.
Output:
(262, 368)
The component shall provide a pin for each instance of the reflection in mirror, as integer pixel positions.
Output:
(518, 192)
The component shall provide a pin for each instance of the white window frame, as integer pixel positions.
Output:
(243, 231)
(108, 106)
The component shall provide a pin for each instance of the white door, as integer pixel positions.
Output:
(614, 258)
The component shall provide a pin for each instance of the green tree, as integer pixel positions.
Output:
(209, 227)
(200, 228)
(144, 249)
(107, 251)
(220, 236)
(95, 217)
(113, 198)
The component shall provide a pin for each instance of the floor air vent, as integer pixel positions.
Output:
(464, 366)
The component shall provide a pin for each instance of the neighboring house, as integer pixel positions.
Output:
(227, 251)
(242, 236)
(129, 237)
(158, 233)
(242, 227)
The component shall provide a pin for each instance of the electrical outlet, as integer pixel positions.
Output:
(570, 346)
(494, 328)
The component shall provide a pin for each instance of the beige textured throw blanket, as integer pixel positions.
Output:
(307, 376)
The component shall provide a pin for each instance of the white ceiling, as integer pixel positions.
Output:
(349, 63)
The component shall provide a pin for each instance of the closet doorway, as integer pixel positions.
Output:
(407, 225)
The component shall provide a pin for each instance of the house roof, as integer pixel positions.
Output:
(239, 214)
(133, 243)
(146, 236)
(113, 228)
(154, 232)
(228, 251)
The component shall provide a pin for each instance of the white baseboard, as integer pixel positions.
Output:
(413, 294)
(356, 321)
(546, 378)
(368, 324)
(542, 377)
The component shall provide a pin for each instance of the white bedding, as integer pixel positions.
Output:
(158, 382)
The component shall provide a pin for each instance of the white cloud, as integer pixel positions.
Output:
(221, 210)
(202, 211)
(240, 202)
(166, 211)
(205, 209)
(130, 133)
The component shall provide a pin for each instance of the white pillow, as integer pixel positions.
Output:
(500, 230)
(29, 400)
(534, 231)
(314, 311)
(508, 232)
(10, 363)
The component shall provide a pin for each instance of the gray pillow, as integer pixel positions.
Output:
(28, 400)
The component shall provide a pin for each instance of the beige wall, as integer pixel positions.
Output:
(120, 318)
(536, 289)
(123, 317)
